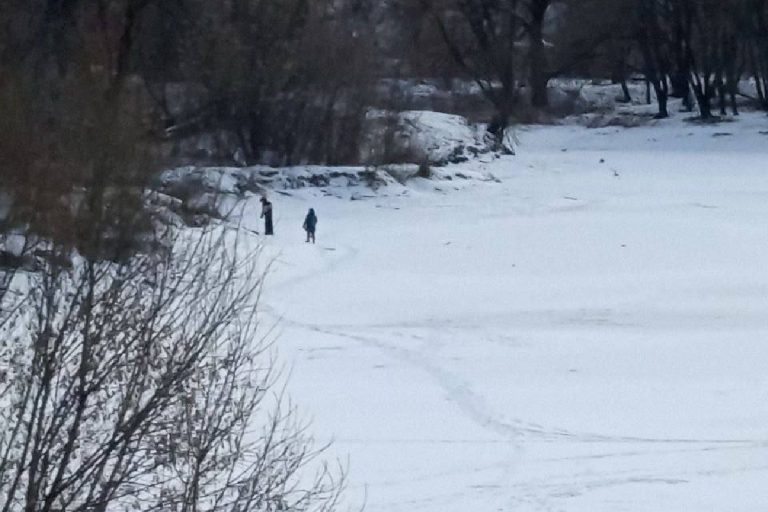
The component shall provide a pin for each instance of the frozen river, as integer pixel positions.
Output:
(588, 334)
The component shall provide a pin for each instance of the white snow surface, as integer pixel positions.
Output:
(589, 334)
(423, 137)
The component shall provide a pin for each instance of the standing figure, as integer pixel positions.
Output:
(266, 214)
(310, 223)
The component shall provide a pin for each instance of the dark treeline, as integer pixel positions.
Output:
(698, 50)
(270, 73)
(289, 81)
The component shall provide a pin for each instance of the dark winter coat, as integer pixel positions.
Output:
(310, 221)
(266, 213)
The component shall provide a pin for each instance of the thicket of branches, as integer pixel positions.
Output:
(698, 50)
(270, 75)
(144, 385)
(288, 77)
(704, 49)
(289, 81)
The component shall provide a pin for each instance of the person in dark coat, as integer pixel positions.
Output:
(266, 214)
(310, 223)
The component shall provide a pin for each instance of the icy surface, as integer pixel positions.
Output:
(589, 334)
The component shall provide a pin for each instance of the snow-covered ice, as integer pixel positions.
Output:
(589, 334)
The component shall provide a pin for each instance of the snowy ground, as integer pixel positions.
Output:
(582, 336)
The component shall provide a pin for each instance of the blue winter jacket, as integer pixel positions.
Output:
(310, 222)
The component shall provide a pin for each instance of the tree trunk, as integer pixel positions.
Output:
(764, 88)
(498, 128)
(625, 91)
(620, 77)
(705, 105)
(722, 98)
(537, 56)
(679, 81)
(661, 98)
(647, 92)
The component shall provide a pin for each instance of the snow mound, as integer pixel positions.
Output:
(419, 136)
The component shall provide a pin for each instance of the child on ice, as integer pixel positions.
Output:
(310, 223)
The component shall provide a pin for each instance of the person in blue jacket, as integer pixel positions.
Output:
(310, 223)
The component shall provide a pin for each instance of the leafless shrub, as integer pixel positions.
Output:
(145, 385)
(286, 77)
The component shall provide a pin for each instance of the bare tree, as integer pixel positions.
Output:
(655, 48)
(144, 385)
(755, 19)
(278, 75)
(538, 69)
(484, 39)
